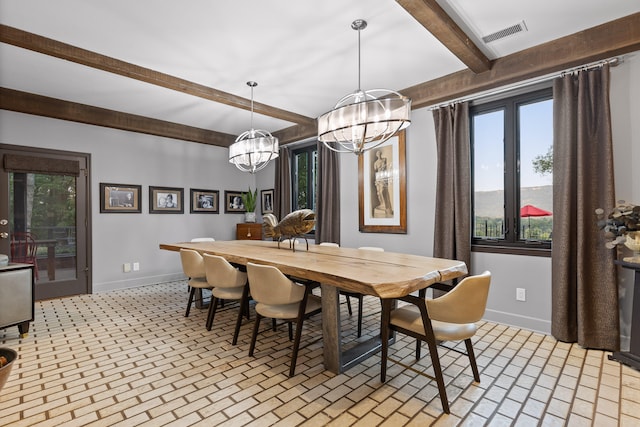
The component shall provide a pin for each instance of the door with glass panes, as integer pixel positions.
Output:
(44, 217)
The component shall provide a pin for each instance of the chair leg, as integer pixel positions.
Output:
(384, 336)
(299, 322)
(290, 327)
(472, 359)
(349, 305)
(360, 300)
(256, 326)
(213, 306)
(418, 349)
(191, 293)
(435, 361)
(273, 325)
(244, 305)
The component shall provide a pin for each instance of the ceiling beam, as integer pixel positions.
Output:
(29, 103)
(435, 19)
(594, 44)
(47, 46)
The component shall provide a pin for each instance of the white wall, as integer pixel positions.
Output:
(130, 158)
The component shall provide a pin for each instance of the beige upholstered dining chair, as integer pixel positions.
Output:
(193, 268)
(450, 317)
(278, 297)
(228, 283)
(202, 239)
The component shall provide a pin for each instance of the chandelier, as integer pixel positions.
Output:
(363, 120)
(253, 149)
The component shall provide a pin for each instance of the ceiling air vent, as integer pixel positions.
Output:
(509, 31)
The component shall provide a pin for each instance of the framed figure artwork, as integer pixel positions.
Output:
(382, 187)
(164, 200)
(266, 201)
(204, 201)
(120, 198)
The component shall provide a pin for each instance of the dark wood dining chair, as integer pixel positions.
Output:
(24, 249)
(450, 317)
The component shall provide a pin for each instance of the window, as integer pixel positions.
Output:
(511, 149)
(304, 176)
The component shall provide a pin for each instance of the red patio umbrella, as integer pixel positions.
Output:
(527, 211)
(530, 210)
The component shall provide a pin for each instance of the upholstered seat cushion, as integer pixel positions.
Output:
(199, 282)
(408, 317)
(227, 293)
(287, 311)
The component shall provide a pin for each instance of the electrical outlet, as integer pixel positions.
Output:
(521, 294)
(126, 267)
(136, 266)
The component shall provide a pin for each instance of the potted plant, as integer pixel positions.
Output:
(249, 200)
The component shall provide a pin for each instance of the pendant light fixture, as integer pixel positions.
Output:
(363, 120)
(253, 149)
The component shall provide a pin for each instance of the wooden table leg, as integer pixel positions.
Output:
(331, 336)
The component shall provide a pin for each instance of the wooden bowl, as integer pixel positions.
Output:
(11, 356)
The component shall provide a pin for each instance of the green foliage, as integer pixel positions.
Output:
(249, 200)
(543, 164)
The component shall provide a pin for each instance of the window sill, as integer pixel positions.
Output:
(511, 250)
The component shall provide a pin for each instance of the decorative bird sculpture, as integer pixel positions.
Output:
(295, 224)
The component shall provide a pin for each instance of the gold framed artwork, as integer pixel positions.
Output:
(382, 187)
(166, 200)
(120, 198)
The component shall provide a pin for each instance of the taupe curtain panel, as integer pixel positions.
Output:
(282, 190)
(452, 235)
(328, 209)
(584, 282)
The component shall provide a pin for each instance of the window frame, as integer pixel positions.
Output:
(308, 148)
(509, 104)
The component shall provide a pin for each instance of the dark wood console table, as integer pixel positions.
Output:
(632, 357)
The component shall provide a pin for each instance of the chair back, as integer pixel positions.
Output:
(465, 303)
(333, 245)
(371, 248)
(23, 247)
(269, 286)
(192, 263)
(202, 239)
(221, 274)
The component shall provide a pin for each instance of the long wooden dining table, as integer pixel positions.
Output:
(380, 274)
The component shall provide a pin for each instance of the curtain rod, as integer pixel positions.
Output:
(612, 61)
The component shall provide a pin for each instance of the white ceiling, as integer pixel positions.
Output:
(303, 54)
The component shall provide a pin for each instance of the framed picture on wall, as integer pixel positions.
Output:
(233, 202)
(382, 188)
(120, 198)
(166, 200)
(204, 201)
(266, 200)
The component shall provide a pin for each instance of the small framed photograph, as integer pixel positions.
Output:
(120, 198)
(166, 200)
(233, 202)
(204, 201)
(266, 201)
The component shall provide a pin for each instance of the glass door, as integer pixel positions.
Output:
(43, 220)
